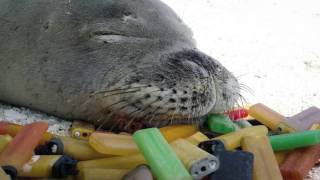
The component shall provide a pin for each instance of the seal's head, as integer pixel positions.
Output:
(131, 58)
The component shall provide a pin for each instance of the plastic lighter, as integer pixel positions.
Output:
(233, 140)
(303, 120)
(20, 149)
(294, 140)
(77, 149)
(243, 123)
(49, 166)
(13, 129)
(199, 162)
(81, 130)
(162, 160)
(102, 174)
(299, 162)
(171, 133)
(122, 162)
(4, 141)
(265, 166)
(237, 114)
(234, 165)
(220, 123)
(270, 118)
(141, 172)
(197, 138)
(113, 144)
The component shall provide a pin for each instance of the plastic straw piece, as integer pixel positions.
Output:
(294, 140)
(270, 118)
(233, 140)
(299, 162)
(20, 149)
(171, 133)
(4, 141)
(220, 123)
(113, 144)
(163, 161)
(265, 166)
(197, 138)
(122, 162)
(102, 174)
(13, 129)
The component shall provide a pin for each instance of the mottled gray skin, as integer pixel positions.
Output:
(97, 59)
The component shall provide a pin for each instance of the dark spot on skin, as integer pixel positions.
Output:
(194, 92)
(183, 108)
(161, 89)
(194, 98)
(203, 101)
(172, 100)
(194, 107)
(224, 95)
(160, 98)
(149, 85)
(46, 26)
(172, 109)
(174, 91)
(183, 100)
(185, 92)
(147, 96)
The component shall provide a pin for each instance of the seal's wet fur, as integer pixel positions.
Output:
(95, 60)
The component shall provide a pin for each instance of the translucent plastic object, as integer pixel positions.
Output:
(141, 172)
(113, 144)
(303, 120)
(294, 140)
(265, 166)
(49, 166)
(243, 123)
(77, 149)
(237, 114)
(13, 129)
(233, 140)
(161, 158)
(197, 138)
(20, 149)
(122, 162)
(270, 118)
(197, 161)
(102, 174)
(299, 162)
(4, 141)
(220, 123)
(171, 133)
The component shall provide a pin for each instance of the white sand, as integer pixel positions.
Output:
(274, 46)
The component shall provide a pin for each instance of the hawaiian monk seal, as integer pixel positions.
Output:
(100, 59)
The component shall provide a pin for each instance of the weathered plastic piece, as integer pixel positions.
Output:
(197, 138)
(233, 140)
(171, 133)
(49, 166)
(102, 174)
(4, 141)
(281, 156)
(299, 162)
(270, 118)
(141, 172)
(199, 162)
(81, 130)
(162, 160)
(122, 162)
(234, 165)
(77, 149)
(315, 127)
(303, 120)
(265, 166)
(243, 123)
(113, 144)
(237, 114)
(20, 149)
(13, 129)
(220, 123)
(4, 175)
(294, 140)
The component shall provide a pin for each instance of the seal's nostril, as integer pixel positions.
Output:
(172, 100)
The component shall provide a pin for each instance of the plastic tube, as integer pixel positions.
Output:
(220, 124)
(4, 141)
(197, 138)
(171, 133)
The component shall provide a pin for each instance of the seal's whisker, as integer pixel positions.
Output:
(105, 121)
(127, 92)
(120, 89)
(246, 88)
